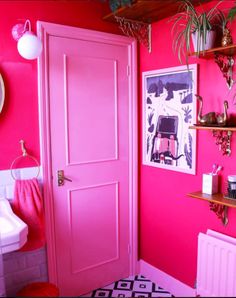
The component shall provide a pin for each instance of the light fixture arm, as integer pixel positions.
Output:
(27, 22)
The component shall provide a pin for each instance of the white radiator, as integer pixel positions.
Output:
(216, 265)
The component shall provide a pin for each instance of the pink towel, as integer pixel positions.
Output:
(28, 205)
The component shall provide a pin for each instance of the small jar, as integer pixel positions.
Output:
(232, 186)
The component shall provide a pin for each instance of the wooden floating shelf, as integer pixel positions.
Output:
(222, 134)
(226, 51)
(223, 57)
(224, 128)
(216, 198)
(135, 20)
(148, 11)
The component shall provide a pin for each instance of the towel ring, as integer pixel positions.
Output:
(24, 154)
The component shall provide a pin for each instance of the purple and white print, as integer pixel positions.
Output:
(169, 108)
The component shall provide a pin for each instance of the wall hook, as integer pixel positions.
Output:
(24, 152)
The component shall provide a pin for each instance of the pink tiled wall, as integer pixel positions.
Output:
(21, 268)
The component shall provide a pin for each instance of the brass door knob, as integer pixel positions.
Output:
(61, 178)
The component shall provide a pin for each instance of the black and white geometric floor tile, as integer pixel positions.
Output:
(134, 286)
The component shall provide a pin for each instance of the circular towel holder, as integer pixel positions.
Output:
(24, 155)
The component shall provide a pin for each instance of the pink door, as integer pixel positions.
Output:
(89, 114)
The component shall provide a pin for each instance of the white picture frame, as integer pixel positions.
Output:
(169, 108)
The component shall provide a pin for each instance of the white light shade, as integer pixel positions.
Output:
(29, 46)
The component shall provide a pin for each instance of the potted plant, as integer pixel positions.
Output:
(227, 38)
(196, 25)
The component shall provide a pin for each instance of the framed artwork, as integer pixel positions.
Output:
(169, 108)
(2, 93)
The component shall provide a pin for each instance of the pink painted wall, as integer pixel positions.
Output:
(170, 220)
(19, 118)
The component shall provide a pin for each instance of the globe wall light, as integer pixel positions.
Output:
(28, 44)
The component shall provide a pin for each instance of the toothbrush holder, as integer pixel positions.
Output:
(210, 183)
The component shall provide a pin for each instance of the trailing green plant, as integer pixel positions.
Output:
(189, 20)
(232, 13)
(229, 17)
(115, 4)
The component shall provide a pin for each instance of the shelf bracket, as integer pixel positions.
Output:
(221, 211)
(139, 30)
(223, 140)
(225, 64)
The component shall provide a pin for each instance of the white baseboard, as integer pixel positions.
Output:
(165, 281)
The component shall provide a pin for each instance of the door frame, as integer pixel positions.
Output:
(44, 30)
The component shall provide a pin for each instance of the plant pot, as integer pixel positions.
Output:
(198, 41)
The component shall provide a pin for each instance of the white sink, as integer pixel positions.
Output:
(13, 231)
